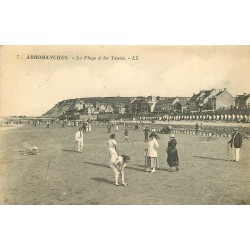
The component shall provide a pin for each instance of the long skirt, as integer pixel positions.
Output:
(151, 162)
(173, 159)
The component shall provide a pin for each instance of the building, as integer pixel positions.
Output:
(165, 105)
(136, 106)
(222, 100)
(181, 105)
(79, 105)
(199, 102)
(242, 101)
(152, 100)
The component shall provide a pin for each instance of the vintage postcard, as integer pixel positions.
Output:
(124, 125)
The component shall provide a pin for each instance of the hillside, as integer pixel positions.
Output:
(60, 107)
(70, 104)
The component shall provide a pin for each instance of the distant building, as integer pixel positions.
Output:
(152, 100)
(181, 105)
(109, 109)
(89, 108)
(165, 105)
(137, 105)
(199, 102)
(222, 100)
(79, 105)
(242, 101)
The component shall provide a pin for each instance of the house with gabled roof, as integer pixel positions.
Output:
(181, 105)
(165, 105)
(222, 100)
(242, 101)
(199, 102)
(136, 106)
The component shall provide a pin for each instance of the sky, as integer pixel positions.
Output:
(33, 86)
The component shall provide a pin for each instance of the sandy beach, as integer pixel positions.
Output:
(60, 175)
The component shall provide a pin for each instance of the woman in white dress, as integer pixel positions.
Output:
(152, 153)
(112, 144)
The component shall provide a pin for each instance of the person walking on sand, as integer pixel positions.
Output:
(126, 135)
(112, 144)
(196, 128)
(146, 132)
(116, 127)
(117, 165)
(172, 159)
(79, 140)
(90, 127)
(109, 128)
(235, 144)
(152, 161)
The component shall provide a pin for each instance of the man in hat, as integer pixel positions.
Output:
(235, 144)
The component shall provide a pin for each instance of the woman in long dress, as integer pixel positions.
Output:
(112, 146)
(173, 159)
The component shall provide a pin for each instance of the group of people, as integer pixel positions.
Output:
(151, 154)
(119, 162)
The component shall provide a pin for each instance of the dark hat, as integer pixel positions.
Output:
(152, 134)
(112, 136)
(125, 157)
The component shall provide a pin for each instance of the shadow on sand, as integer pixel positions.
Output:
(106, 166)
(70, 150)
(209, 158)
(97, 164)
(135, 169)
(102, 180)
(144, 167)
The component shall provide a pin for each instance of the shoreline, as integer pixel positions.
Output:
(10, 127)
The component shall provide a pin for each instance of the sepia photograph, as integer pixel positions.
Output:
(124, 125)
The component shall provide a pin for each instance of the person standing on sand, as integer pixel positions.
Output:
(173, 159)
(126, 135)
(152, 161)
(109, 128)
(146, 131)
(112, 144)
(79, 140)
(236, 143)
(116, 127)
(196, 128)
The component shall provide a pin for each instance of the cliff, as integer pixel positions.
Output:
(71, 104)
